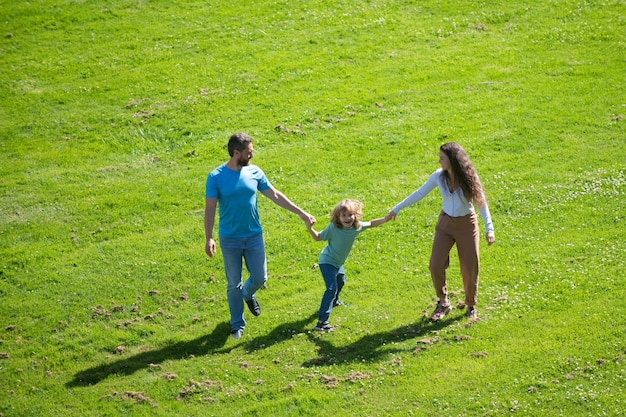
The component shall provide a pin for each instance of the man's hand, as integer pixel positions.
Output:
(210, 247)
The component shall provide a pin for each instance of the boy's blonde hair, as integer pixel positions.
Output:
(347, 206)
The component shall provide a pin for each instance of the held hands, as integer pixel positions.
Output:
(309, 226)
(390, 216)
(308, 219)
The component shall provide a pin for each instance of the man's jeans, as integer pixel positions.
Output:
(235, 251)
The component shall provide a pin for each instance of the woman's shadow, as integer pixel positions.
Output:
(210, 343)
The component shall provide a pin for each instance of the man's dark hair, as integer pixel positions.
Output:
(239, 141)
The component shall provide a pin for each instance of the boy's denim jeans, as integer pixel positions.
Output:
(334, 280)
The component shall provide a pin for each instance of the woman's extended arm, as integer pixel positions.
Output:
(418, 194)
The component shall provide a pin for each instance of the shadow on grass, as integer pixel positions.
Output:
(281, 333)
(210, 343)
(368, 348)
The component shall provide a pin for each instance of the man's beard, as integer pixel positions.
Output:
(243, 162)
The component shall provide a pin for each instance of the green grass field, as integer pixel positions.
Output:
(113, 113)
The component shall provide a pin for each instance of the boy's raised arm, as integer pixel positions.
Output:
(314, 234)
(378, 222)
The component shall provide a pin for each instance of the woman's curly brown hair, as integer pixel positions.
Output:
(464, 172)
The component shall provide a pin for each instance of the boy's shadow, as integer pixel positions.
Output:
(368, 348)
(210, 343)
(281, 333)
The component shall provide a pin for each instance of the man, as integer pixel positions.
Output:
(233, 186)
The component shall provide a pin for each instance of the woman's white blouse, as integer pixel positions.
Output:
(454, 204)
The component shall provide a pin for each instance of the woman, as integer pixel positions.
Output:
(460, 190)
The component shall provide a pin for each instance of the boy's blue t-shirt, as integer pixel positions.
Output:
(236, 198)
(340, 243)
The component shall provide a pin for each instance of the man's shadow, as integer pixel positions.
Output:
(210, 343)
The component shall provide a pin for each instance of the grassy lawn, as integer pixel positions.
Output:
(113, 113)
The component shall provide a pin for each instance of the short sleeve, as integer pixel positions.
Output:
(325, 233)
(263, 182)
(211, 187)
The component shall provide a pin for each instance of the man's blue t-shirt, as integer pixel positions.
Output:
(236, 198)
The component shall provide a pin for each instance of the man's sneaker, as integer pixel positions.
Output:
(440, 311)
(323, 326)
(236, 334)
(338, 303)
(254, 306)
(471, 313)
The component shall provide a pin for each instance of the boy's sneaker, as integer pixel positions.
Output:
(440, 311)
(236, 334)
(323, 326)
(253, 306)
(471, 313)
